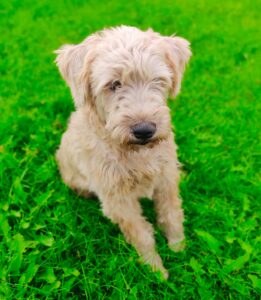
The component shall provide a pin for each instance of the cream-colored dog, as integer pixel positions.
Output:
(119, 144)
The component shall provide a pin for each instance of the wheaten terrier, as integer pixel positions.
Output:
(119, 144)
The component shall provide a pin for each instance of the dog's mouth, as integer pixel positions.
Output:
(145, 142)
(140, 142)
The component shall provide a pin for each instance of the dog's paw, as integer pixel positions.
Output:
(159, 268)
(178, 246)
(155, 262)
(162, 274)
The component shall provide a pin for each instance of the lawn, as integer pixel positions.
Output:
(55, 245)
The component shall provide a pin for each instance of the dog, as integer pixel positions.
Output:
(119, 143)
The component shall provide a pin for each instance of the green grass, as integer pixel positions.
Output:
(54, 245)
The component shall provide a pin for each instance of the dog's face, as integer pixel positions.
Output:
(126, 75)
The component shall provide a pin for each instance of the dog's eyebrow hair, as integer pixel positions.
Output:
(107, 85)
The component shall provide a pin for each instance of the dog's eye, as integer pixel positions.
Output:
(115, 85)
(159, 80)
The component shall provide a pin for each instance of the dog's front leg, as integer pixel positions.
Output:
(137, 231)
(170, 214)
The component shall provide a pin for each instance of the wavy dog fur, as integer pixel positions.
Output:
(121, 77)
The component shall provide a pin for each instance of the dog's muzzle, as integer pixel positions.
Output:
(143, 132)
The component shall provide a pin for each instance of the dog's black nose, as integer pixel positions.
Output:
(144, 131)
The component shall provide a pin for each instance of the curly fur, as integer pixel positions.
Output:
(99, 153)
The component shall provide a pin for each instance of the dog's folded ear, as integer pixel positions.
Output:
(178, 54)
(74, 61)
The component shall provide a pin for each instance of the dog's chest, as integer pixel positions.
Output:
(130, 172)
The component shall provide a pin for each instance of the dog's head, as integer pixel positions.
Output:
(125, 75)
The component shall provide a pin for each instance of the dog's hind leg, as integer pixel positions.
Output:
(71, 175)
(79, 185)
(84, 193)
